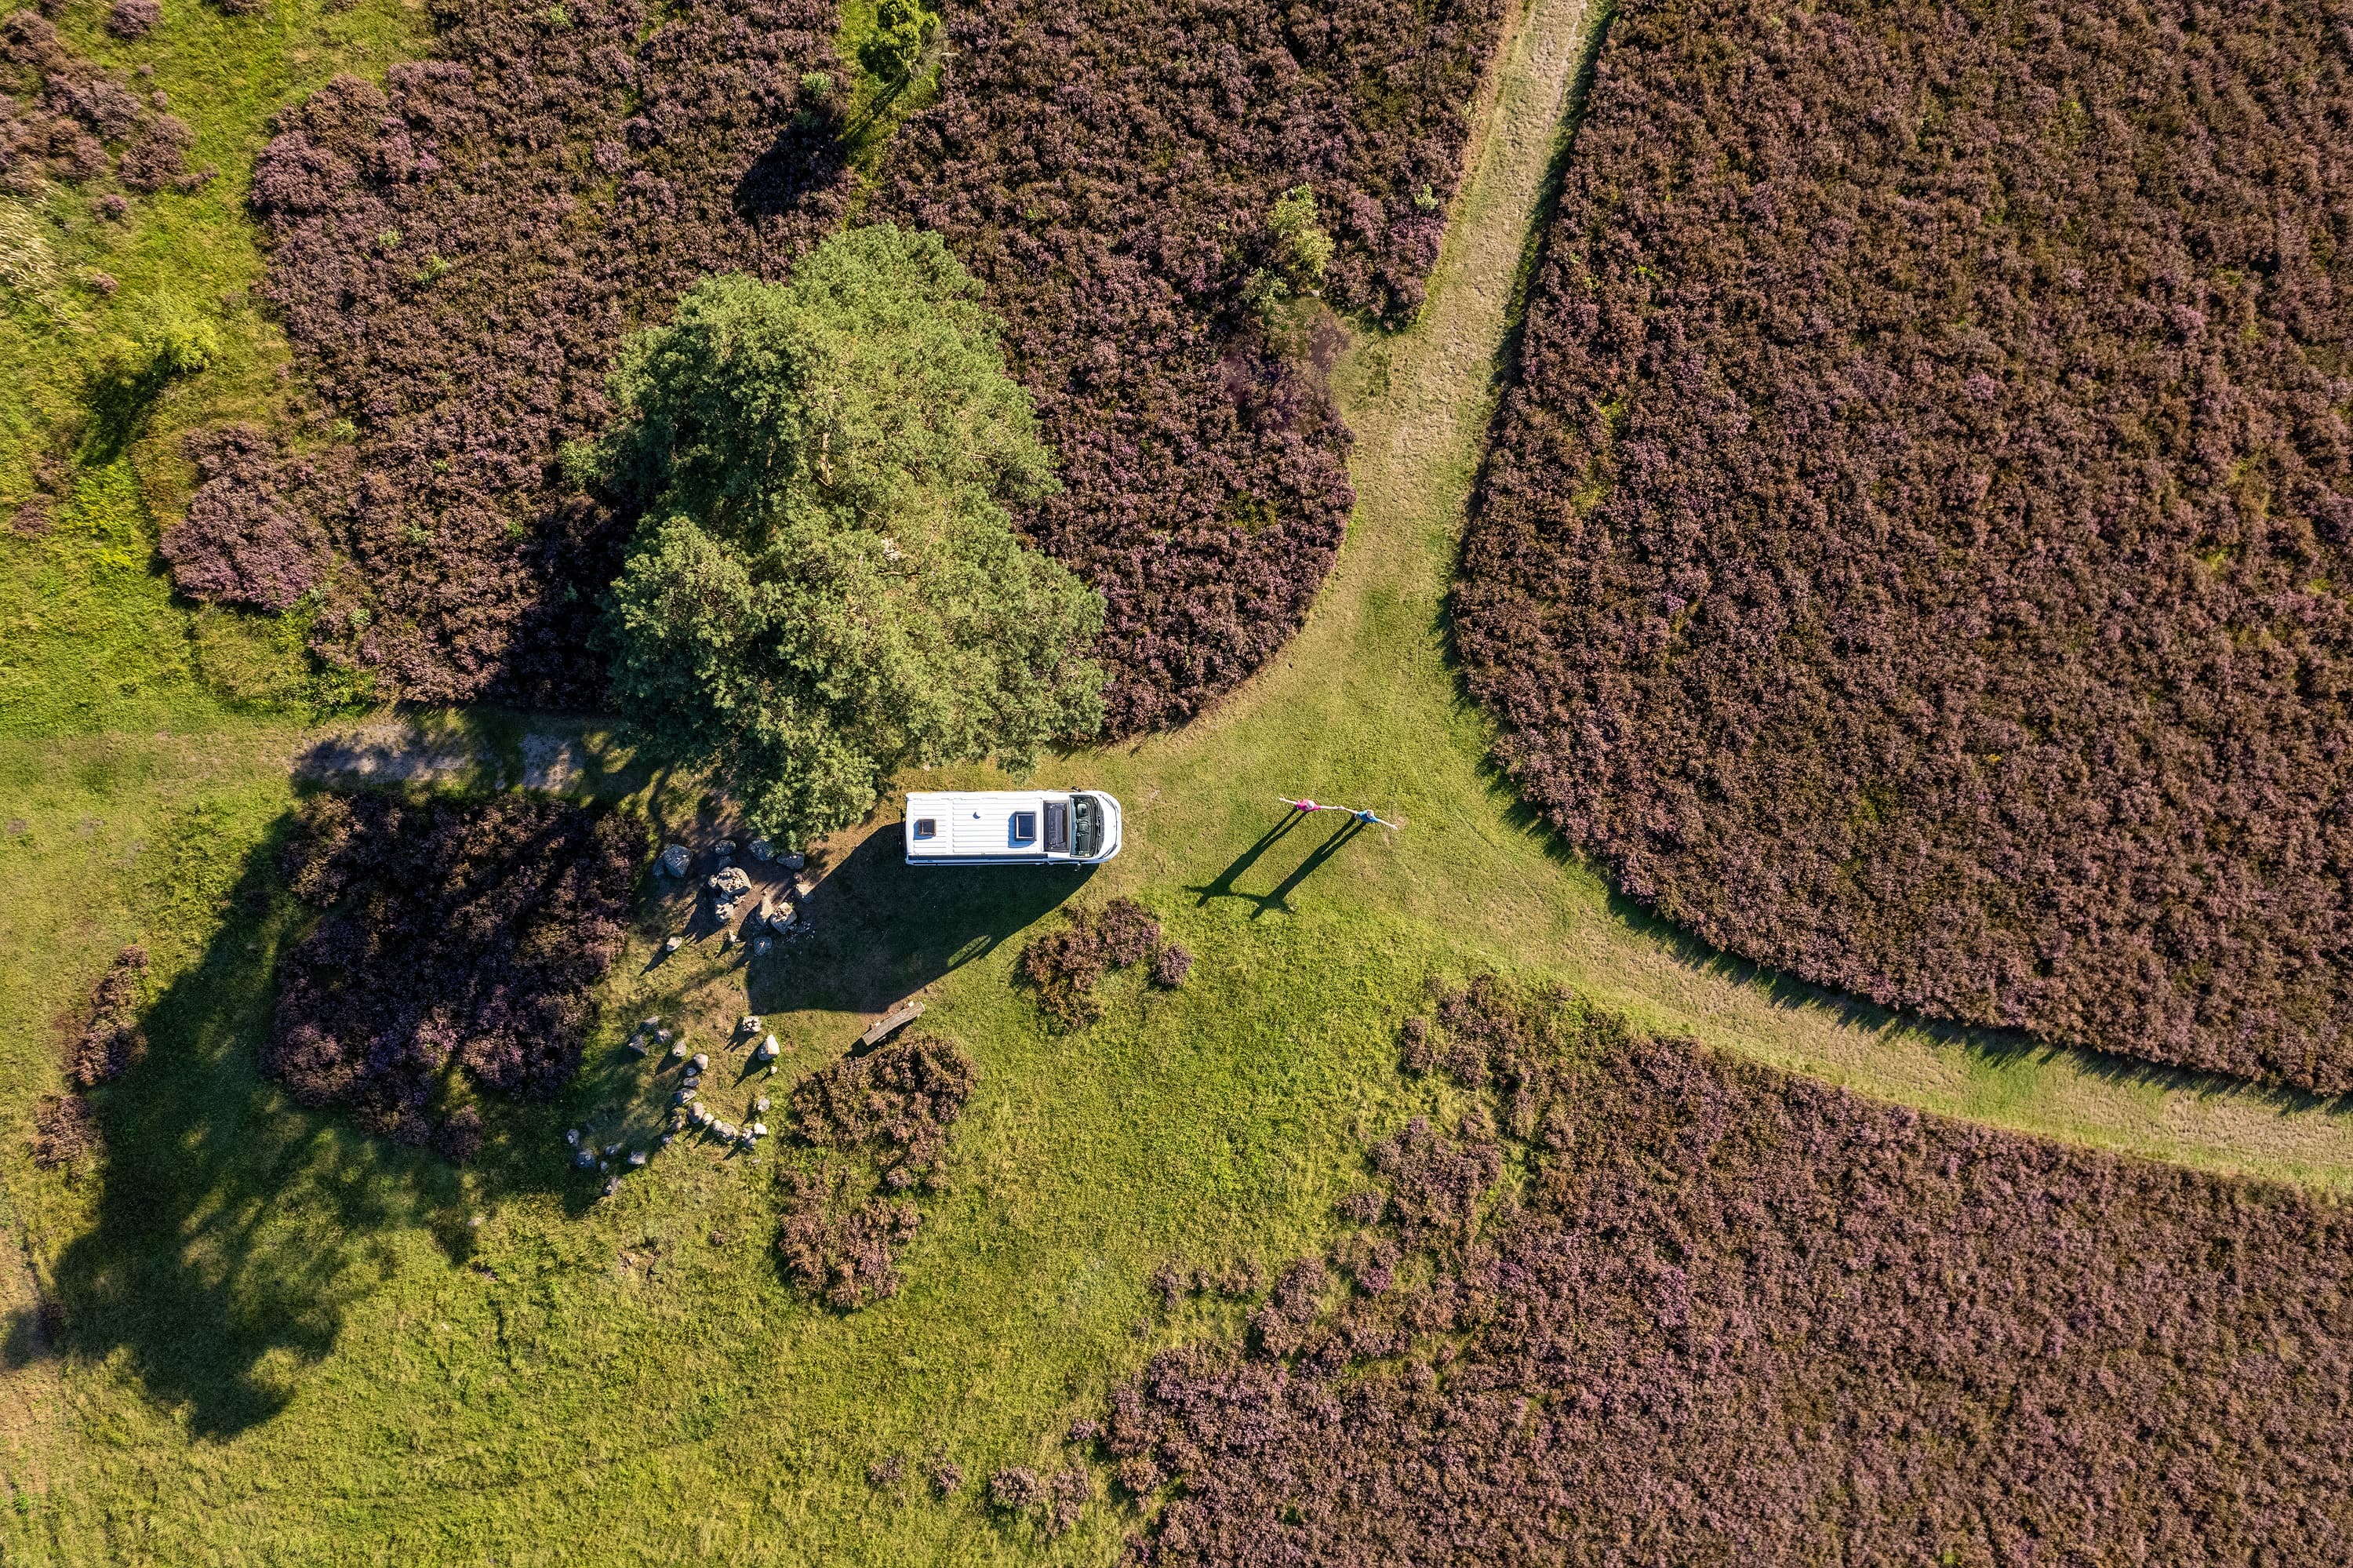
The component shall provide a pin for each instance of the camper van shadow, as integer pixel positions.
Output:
(879, 928)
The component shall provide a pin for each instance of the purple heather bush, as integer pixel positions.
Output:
(457, 253)
(61, 113)
(455, 256)
(245, 539)
(898, 1102)
(1108, 171)
(133, 18)
(111, 1040)
(1733, 1316)
(889, 1112)
(1915, 552)
(838, 1241)
(1016, 1487)
(448, 934)
(1063, 966)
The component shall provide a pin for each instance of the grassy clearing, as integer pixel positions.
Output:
(872, 108)
(282, 1344)
(89, 638)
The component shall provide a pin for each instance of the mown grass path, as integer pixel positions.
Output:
(1363, 709)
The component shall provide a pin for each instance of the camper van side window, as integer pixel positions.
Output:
(1025, 826)
(926, 828)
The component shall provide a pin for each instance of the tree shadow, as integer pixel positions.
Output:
(805, 159)
(233, 1228)
(122, 400)
(193, 1270)
(878, 928)
(481, 747)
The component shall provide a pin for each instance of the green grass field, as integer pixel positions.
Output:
(89, 638)
(281, 1342)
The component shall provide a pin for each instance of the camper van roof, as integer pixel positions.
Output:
(980, 822)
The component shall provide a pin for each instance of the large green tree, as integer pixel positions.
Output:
(826, 585)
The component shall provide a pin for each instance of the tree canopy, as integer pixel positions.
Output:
(826, 585)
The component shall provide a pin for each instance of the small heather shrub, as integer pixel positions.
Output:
(838, 1241)
(1071, 1491)
(898, 1102)
(133, 18)
(1172, 1282)
(111, 1040)
(458, 1137)
(1170, 966)
(1138, 1476)
(1063, 966)
(1015, 1488)
(58, 112)
(245, 540)
(1415, 1053)
(65, 1128)
(892, 1110)
(159, 156)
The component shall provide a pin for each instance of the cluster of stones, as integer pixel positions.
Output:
(688, 1110)
(688, 1113)
(589, 1157)
(729, 885)
(644, 1040)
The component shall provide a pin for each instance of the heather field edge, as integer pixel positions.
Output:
(290, 1344)
(91, 637)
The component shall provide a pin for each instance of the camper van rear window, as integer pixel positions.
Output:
(926, 828)
(1025, 826)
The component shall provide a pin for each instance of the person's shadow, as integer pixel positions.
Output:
(1222, 884)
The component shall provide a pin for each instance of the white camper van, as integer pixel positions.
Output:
(1012, 827)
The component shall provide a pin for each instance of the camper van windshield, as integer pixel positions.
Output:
(1086, 813)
